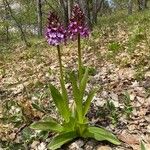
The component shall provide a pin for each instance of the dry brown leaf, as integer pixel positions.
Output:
(128, 138)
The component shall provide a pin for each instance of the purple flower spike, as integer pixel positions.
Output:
(55, 32)
(77, 24)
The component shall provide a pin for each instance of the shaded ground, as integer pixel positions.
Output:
(119, 60)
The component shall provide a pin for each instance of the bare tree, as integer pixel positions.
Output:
(6, 18)
(96, 7)
(85, 6)
(39, 17)
(65, 4)
(23, 37)
(145, 4)
(130, 6)
(142, 4)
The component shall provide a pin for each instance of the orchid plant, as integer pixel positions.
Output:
(74, 122)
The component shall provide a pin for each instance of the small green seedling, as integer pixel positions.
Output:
(127, 105)
(113, 114)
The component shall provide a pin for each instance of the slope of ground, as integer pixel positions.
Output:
(118, 54)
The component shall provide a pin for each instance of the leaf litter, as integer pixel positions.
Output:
(26, 78)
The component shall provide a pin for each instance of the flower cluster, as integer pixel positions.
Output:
(77, 23)
(55, 32)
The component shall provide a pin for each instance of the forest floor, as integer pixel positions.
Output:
(118, 54)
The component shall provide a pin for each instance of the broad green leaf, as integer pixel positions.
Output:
(88, 134)
(61, 139)
(88, 101)
(69, 126)
(73, 110)
(65, 97)
(101, 134)
(64, 92)
(142, 146)
(60, 103)
(81, 128)
(76, 95)
(76, 91)
(47, 126)
(83, 83)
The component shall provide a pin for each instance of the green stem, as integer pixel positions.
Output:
(64, 91)
(60, 63)
(80, 74)
(79, 58)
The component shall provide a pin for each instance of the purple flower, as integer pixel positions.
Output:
(77, 24)
(55, 32)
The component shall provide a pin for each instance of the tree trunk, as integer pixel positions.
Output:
(97, 5)
(39, 17)
(142, 4)
(94, 12)
(64, 5)
(130, 7)
(6, 18)
(23, 37)
(145, 4)
(85, 6)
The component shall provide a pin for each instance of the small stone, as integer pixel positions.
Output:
(148, 100)
(104, 94)
(19, 88)
(104, 148)
(134, 112)
(99, 101)
(148, 128)
(147, 74)
(90, 145)
(116, 103)
(147, 118)
(132, 97)
(114, 96)
(140, 99)
(77, 145)
(135, 84)
(34, 144)
(12, 136)
(137, 104)
(42, 146)
(34, 98)
(132, 127)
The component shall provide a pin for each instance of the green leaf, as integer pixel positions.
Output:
(76, 95)
(83, 83)
(60, 103)
(88, 101)
(69, 126)
(88, 134)
(64, 92)
(76, 91)
(142, 146)
(61, 139)
(47, 126)
(102, 134)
